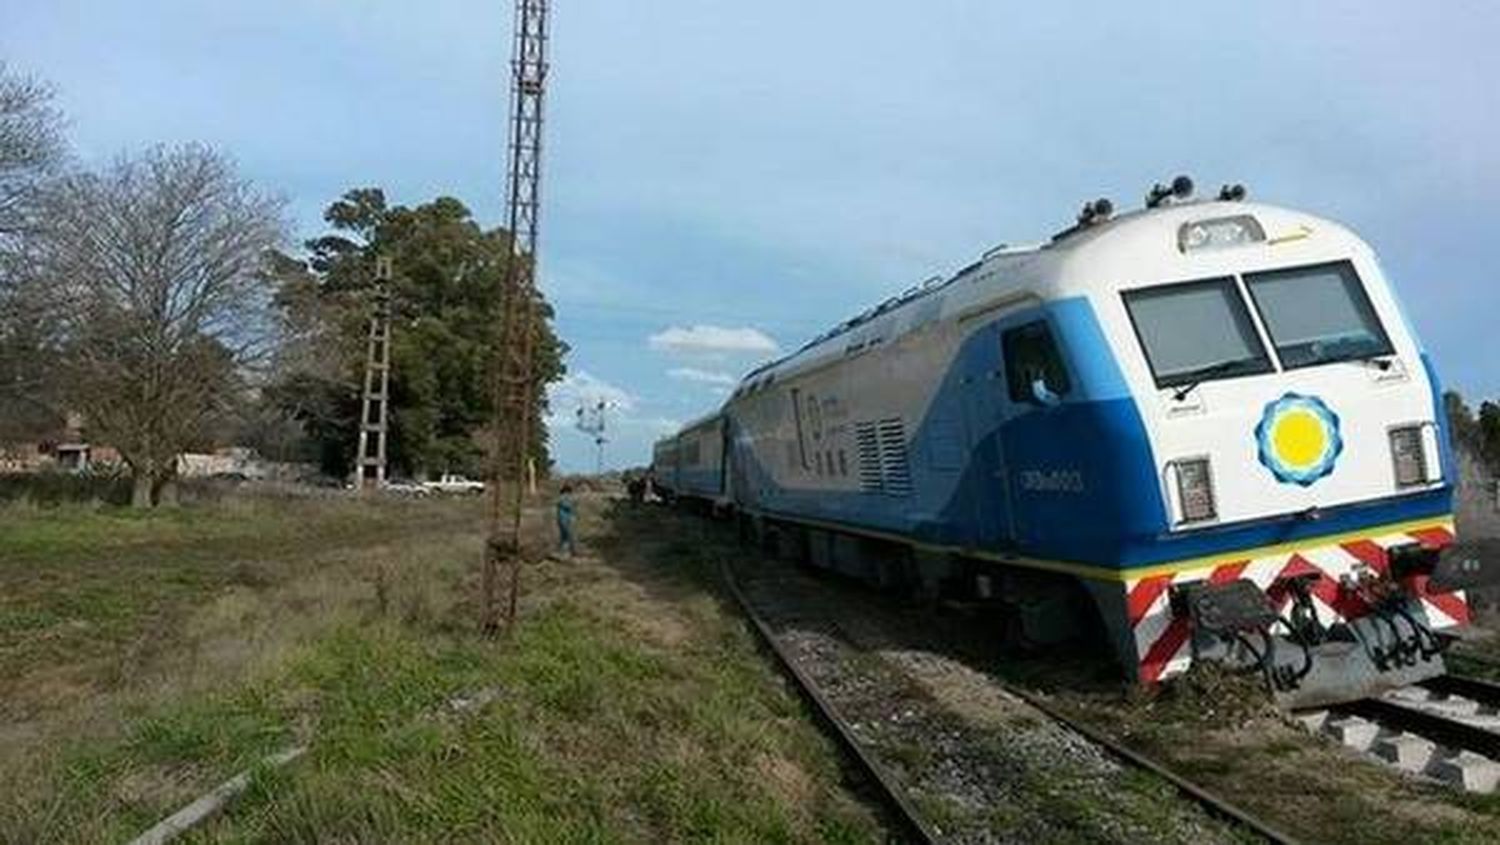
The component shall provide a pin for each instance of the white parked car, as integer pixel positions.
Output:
(406, 488)
(454, 484)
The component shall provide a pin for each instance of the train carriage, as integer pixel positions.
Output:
(664, 466)
(691, 464)
(1210, 418)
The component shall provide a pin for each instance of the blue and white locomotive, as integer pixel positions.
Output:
(1205, 424)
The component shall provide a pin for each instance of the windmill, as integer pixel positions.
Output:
(590, 421)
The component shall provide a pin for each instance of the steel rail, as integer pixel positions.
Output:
(890, 792)
(1478, 689)
(1439, 729)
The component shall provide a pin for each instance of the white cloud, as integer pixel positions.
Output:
(701, 339)
(717, 379)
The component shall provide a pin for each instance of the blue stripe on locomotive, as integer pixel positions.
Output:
(1110, 514)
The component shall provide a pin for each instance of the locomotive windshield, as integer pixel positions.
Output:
(1318, 314)
(1196, 331)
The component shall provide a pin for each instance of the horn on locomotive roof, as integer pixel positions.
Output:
(1180, 189)
(1095, 212)
(1232, 193)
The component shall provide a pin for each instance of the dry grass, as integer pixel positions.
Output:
(96, 601)
(630, 705)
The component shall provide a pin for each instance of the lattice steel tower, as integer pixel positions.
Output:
(514, 380)
(375, 411)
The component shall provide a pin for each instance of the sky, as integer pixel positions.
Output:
(725, 180)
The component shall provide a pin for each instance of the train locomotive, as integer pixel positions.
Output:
(1203, 428)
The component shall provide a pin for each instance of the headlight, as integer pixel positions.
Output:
(1408, 456)
(1219, 232)
(1195, 490)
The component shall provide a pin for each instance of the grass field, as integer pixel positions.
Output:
(145, 658)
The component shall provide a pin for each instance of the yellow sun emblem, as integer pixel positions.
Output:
(1299, 439)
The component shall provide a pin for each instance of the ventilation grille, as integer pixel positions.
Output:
(894, 468)
(883, 464)
(869, 457)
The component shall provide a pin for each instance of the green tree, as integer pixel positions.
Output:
(448, 277)
(1489, 435)
(1461, 422)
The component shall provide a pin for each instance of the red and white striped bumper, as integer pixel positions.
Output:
(1162, 638)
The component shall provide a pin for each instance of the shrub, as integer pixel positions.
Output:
(105, 485)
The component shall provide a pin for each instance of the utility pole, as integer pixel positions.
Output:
(514, 383)
(591, 422)
(374, 414)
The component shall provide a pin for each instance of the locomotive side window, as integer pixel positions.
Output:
(1031, 355)
(1318, 314)
(1196, 331)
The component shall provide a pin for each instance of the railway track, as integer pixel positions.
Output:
(886, 788)
(912, 815)
(1480, 690)
(1447, 728)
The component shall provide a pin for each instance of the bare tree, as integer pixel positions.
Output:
(31, 147)
(31, 151)
(156, 268)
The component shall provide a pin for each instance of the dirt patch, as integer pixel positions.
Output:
(152, 785)
(786, 778)
(631, 606)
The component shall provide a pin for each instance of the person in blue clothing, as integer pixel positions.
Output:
(565, 521)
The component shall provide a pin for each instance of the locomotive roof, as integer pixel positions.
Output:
(697, 422)
(1141, 244)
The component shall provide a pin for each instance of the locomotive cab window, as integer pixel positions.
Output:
(1031, 355)
(1318, 315)
(1196, 331)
